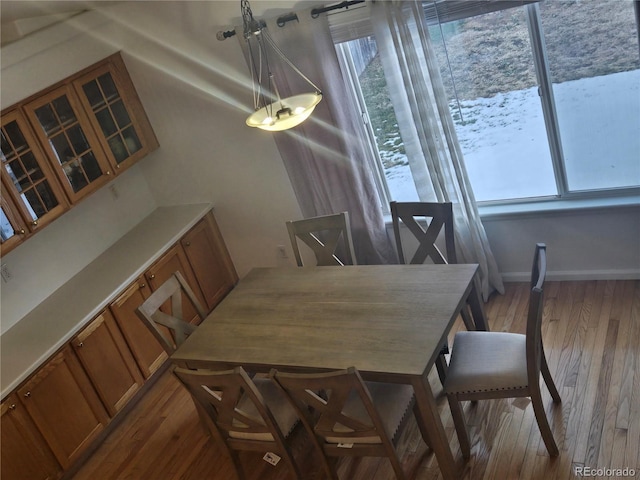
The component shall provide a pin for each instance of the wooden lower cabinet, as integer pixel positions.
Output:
(175, 260)
(64, 406)
(210, 260)
(105, 356)
(56, 414)
(147, 351)
(25, 455)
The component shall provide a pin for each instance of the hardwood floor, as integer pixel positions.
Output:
(591, 335)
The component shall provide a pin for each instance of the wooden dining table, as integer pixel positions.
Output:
(388, 321)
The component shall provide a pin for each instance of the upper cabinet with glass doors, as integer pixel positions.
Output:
(93, 126)
(31, 195)
(66, 142)
(116, 113)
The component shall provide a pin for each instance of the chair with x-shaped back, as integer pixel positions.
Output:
(242, 414)
(327, 236)
(346, 416)
(170, 327)
(437, 217)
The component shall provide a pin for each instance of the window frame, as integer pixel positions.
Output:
(343, 30)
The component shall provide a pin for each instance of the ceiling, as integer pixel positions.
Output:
(18, 18)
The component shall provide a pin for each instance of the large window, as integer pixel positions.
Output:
(545, 97)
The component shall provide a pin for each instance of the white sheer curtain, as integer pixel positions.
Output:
(325, 156)
(427, 130)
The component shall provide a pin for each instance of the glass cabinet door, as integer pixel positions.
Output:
(30, 183)
(118, 116)
(12, 228)
(72, 145)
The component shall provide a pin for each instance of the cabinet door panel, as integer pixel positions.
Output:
(209, 259)
(147, 351)
(25, 455)
(13, 230)
(72, 146)
(105, 356)
(175, 260)
(64, 406)
(116, 113)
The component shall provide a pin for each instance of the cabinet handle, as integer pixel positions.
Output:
(12, 406)
(34, 223)
(142, 285)
(80, 345)
(21, 231)
(27, 395)
(188, 244)
(152, 276)
(108, 172)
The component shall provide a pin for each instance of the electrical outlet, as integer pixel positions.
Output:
(114, 192)
(6, 273)
(282, 251)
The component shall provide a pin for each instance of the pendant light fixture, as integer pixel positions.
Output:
(272, 112)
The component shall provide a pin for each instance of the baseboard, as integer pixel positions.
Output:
(566, 275)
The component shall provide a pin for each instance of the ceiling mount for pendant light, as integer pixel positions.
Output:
(272, 112)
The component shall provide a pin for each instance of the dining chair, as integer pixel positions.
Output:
(327, 236)
(170, 328)
(492, 365)
(345, 416)
(242, 414)
(437, 218)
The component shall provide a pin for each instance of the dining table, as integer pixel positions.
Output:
(388, 321)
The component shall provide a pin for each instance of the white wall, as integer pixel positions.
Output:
(194, 89)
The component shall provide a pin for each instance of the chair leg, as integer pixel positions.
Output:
(548, 379)
(441, 366)
(543, 423)
(467, 318)
(237, 465)
(460, 424)
(395, 463)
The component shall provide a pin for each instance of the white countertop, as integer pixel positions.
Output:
(31, 341)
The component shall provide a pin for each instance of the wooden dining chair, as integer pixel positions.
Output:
(170, 327)
(327, 236)
(346, 416)
(491, 365)
(242, 414)
(436, 218)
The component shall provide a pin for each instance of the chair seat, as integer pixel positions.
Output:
(487, 361)
(391, 400)
(284, 414)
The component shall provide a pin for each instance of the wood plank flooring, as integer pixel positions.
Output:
(591, 334)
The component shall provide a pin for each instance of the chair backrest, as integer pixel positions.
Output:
(338, 412)
(327, 236)
(437, 216)
(238, 414)
(169, 327)
(534, 316)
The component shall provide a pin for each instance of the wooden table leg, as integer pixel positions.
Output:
(426, 404)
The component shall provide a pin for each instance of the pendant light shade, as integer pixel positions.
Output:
(272, 112)
(290, 112)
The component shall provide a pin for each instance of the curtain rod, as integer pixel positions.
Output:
(282, 20)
